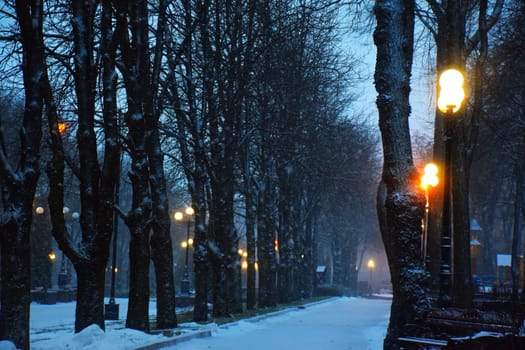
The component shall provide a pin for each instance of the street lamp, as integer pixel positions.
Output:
(450, 99)
(64, 276)
(371, 266)
(185, 282)
(451, 93)
(429, 179)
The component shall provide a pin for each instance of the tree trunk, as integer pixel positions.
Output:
(227, 287)
(250, 247)
(400, 205)
(161, 244)
(18, 187)
(515, 262)
(90, 293)
(139, 257)
(15, 274)
(285, 239)
(462, 281)
(266, 244)
(200, 254)
(132, 19)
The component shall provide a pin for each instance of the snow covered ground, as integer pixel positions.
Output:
(339, 323)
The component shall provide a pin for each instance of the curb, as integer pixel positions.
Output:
(207, 332)
(176, 340)
(258, 318)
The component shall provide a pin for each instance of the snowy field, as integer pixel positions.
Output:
(336, 324)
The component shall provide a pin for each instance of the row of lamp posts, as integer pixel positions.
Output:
(450, 100)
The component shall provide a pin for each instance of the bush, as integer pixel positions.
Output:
(330, 290)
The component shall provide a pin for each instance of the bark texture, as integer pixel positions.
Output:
(18, 186)
(400, 204)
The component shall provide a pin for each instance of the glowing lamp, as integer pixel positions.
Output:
(371, 264)
(451, 93)
(62, 127)
(430, 176)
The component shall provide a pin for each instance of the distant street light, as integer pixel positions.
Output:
(371, 266)
(185, 282)
(429, 179)
(450, 99)
(62, 127)
(52, 258)
(244, 256)
(112, 309)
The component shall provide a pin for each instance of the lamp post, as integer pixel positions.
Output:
(64, 278)
(450, 99)
(371, 266)
(429, 179)
(52, 258)
(111, 309)
(185, 282)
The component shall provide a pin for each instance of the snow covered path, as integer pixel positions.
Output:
(335, 324)
(339, 324)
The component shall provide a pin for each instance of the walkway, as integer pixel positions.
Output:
(339, 324)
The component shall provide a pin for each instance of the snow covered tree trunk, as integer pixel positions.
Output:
(139, 256)
(251, 214)
(400, 204)
(200, 254)
(192, 140)
(266, 241)
(161, 244)
(285, 236)
(227, 269)
(18, 186)
(97, 185)
(132, 17)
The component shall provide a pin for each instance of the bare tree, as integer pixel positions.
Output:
(97, 182)
(18, 183)
(400, 204)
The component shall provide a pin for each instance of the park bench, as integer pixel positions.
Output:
(459, 321)
(466, 329)
(429, 342)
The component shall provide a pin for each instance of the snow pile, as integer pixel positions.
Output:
(92, 338)
(7, 345)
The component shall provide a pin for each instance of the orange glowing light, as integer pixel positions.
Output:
(62, 127)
